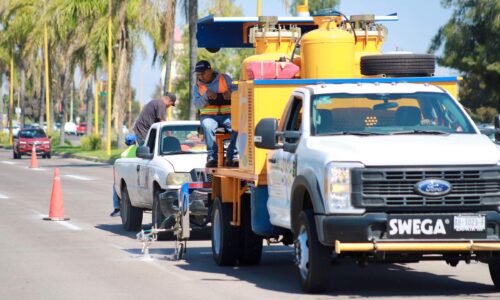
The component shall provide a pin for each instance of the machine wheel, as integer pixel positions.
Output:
(250, 243)
(131, 216)
(224, 236)
(494, 267)
(158, 217)
(312, 258)
(398, 64)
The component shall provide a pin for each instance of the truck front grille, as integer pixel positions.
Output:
(391, 187)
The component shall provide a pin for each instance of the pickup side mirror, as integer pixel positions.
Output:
(143, 152)
(266, 134)
(497, 128)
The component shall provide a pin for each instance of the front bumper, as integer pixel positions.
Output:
(369, 231)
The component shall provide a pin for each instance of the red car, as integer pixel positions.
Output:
(81, 129)
(27, 138)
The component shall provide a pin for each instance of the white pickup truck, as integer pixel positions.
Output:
(386, 172)
(172, 150)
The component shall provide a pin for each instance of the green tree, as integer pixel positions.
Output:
(226, 60)
(314, 5)
(470, 43)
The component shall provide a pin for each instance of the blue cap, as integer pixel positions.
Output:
(130, 139)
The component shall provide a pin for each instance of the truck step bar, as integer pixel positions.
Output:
(469, 246)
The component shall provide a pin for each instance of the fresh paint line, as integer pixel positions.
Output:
(68, 225)
(2, 196)
(79, 177)
(8, 162)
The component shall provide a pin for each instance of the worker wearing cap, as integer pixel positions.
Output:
(212, 96)
(154, 111)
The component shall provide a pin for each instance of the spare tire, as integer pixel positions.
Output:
(398, 64)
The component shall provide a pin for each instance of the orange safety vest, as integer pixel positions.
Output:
(214, 109)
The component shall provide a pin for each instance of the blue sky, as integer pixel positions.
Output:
(418, 21)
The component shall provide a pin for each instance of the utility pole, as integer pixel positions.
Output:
(110, 82)
(11, 96)
(47, 82)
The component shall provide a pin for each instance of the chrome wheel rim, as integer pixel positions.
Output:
(216, 232)
(302, 252)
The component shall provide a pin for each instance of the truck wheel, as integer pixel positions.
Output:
(250, 243)
(158, 217)
(398, 64)
(131, 216)
(48, 155)
(495, 273)
(224, 236)
(312, 258)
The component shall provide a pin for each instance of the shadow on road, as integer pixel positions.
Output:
(278, 273)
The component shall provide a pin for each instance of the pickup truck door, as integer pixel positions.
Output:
(144, 171)
(282, 166)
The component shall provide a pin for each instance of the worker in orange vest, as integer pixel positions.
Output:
(212, 96)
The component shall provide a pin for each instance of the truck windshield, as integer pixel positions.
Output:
(394, 113)
(178, 139)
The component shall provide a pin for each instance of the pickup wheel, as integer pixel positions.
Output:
(312, 258)
(250, 243)
(131, 216)
(225, 246)
(158, 217)
(494, 267)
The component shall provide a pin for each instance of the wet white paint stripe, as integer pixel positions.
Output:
(79, 177)
(8, 162)
(2, 196)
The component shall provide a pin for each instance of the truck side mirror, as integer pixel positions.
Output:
(143, 152)
(266, 134)
(497, 128)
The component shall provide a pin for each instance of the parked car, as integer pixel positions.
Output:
(28, 138)
(81, 129)
(70, 128)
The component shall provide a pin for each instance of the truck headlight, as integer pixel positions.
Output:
(178, 178)
(337, 189)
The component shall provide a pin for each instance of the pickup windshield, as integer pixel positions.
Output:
(383, 113)
(180, 139)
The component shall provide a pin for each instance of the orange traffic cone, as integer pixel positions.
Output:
(34, 160)
(56, 212)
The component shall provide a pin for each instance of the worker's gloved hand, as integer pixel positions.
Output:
(211, 94)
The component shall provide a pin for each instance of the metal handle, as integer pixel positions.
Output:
(272, 160)
(138, 167)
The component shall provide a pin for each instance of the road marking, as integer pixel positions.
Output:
(2, 196)
(78, 177)
(66, 224)
(8, 162)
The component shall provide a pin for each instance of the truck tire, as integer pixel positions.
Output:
(225, 246)
(131, 216)
(494, 267)
(398, 64)
(250, 243)
(158, 217)
(313, 259)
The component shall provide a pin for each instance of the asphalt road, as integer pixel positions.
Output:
(92, 257)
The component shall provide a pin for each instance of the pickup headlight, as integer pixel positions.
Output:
(178, 178)
(337, 189)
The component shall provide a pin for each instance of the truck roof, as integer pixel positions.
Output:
(185, 122)
(361, 88)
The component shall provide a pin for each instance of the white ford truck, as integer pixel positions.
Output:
(171, 153)
(388, 172)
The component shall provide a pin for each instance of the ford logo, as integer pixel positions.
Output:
(433, 187)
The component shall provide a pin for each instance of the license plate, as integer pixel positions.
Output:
(436, 226)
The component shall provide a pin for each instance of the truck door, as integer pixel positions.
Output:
(144, 170)
(282, 166)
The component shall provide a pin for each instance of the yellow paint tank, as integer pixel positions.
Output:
(327, 52)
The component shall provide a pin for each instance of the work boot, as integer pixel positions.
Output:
(231, 163)
(211, 163)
